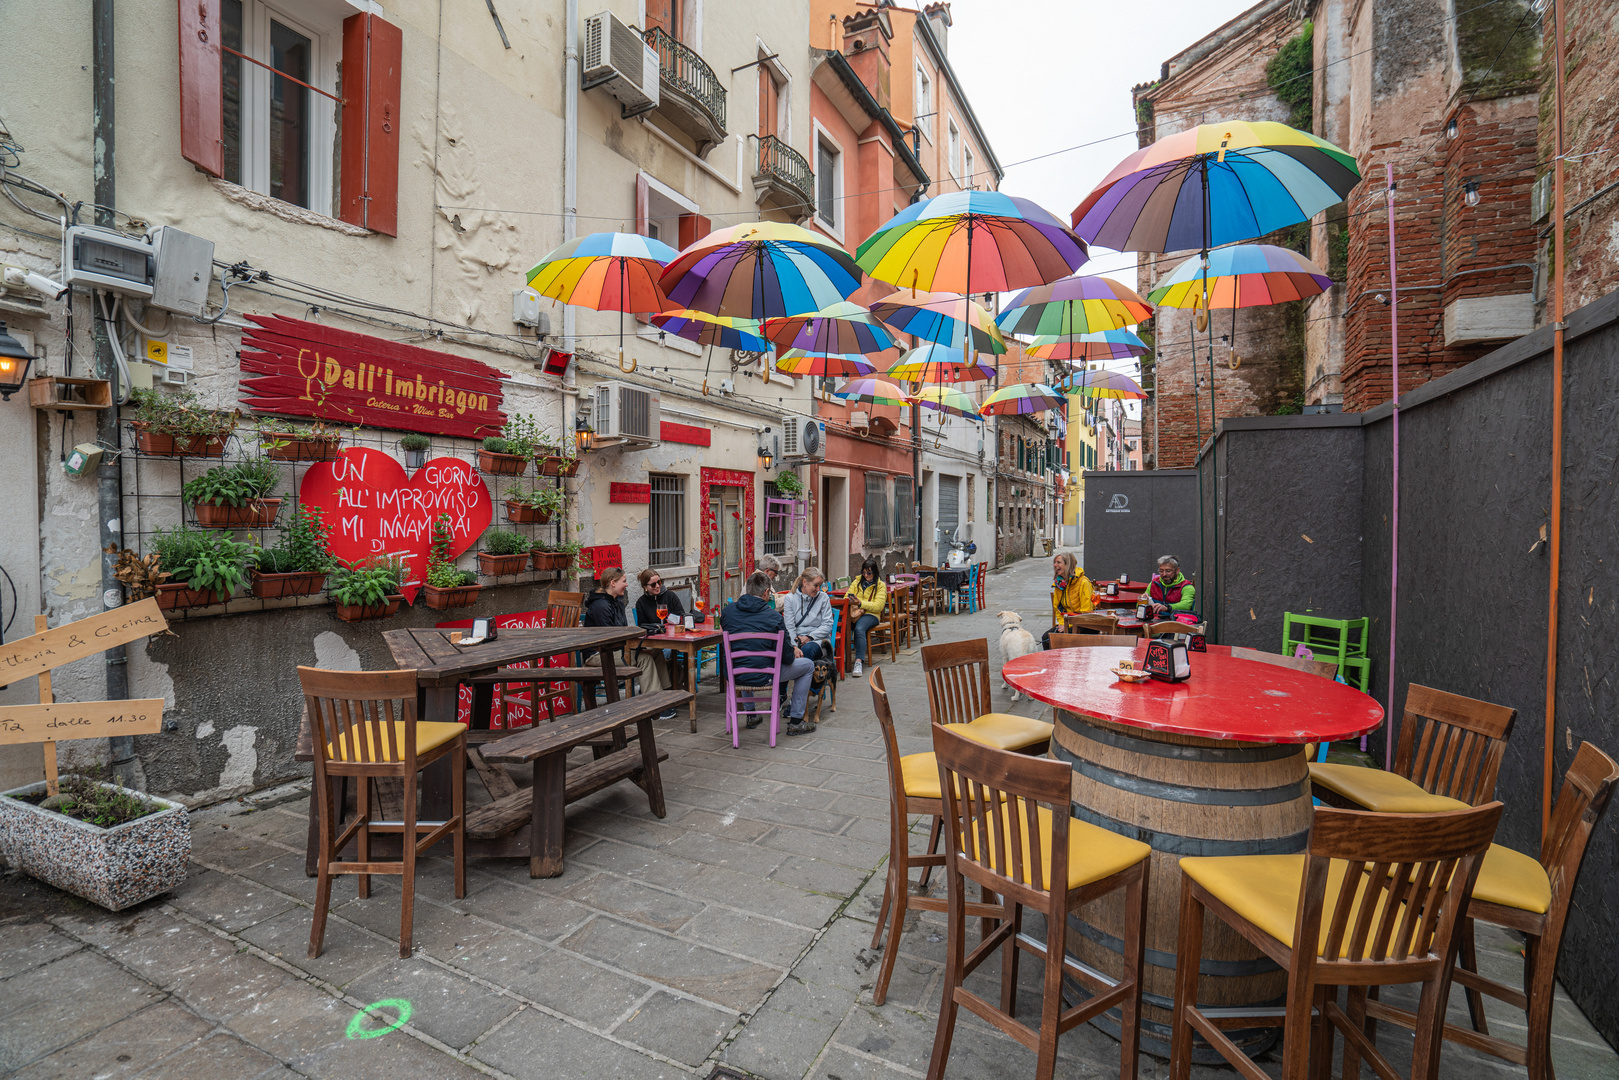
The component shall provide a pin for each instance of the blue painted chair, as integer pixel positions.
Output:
(968, 591)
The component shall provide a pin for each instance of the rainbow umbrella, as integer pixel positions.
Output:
(948, 400)
(712, 330)
(1101, 384)
(934, 316)
(1020, 399)
(760, 270)
(1100, 345)
(1074, 305)
(843, 327)
(798, 362)
(935, 363)
(606, 271)
(1247, 275)
(871, 391)
(1215, 184)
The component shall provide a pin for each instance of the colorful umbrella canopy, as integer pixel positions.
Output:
(760, 270)
(971, 242)
(1074, 305)
(706, 329)
(1101, 384)
(935, 363)
(948, 400)
(1101, 345)
(607, 271)
(872, 392)
(935, 316)
(1215, 184)
(1247, 275)
(799, 362)
(1020, 399)
(843, 327)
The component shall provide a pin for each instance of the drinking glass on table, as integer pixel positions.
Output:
(663, 611)
(698, 605)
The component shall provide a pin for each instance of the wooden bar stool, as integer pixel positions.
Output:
(958, 693)
(1091, 622)
(1008, 829)
(363, 724)
(1533, 898)
(1448, 756)
(1377, 900)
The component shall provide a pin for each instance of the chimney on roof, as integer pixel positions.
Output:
(939, 22)
(865, 43)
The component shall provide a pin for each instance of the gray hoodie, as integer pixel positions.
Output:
(806, 617)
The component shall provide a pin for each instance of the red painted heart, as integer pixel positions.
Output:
(373, 508)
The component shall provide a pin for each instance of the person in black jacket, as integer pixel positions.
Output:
(646, 607)
(753, 614)
(605, 607)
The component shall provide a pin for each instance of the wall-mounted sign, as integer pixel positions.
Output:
(629, 493)
(373, 508)
(302, 368)
(603, 557)
(690, 434)
(74, 641)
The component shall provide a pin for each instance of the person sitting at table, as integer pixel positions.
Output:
(872, 595)
(1170, 592)
(752, 614)
(1071, 594)
(769, 564)
(652, 594)
(807, 611)
(605, 607)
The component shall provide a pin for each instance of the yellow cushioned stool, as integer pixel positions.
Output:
(1513, 879)
(921, 775)
(1005, 731)
(430, 735)
(1374, 789)
(1264, 889)
(1094, 853)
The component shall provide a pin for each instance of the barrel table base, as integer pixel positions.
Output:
(1184, 796)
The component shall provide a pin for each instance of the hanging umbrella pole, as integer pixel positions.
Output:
(1212, 576)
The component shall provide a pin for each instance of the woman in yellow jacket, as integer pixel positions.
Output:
(1071, 593)
(871, 594)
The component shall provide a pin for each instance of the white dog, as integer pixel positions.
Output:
(1015, 642)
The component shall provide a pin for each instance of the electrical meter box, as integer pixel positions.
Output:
(97, 258)
(185, 269)
(85, 457)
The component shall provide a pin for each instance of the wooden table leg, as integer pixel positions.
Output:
(439, 704)
(691, 682)
(651, 781)
(545, 830)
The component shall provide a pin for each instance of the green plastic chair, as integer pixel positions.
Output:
(1335, 640)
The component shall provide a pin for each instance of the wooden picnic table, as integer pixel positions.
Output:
(690, 642)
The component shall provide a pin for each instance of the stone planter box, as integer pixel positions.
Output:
(116, 867)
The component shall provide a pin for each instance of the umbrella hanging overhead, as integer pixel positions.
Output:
(971, 242)
(1020, 399)
(935, 363)
(1247, 275)
(934, 316)
(948, 400)
(798, 362)
(1074, 305)
(606, 271)
(843, 327)
(760, 270)
(1215, 184)
(713, 330)
(1101, 345)
(1101, 384)
(872, 392)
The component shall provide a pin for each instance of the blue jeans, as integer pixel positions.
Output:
(812, 649)
(798, 673)
(862, 627)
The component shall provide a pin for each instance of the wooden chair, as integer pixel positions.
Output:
(1533, 898)
(363, 725)
(1379, 899)
(1080, 641)
(886, 632)
(1091, 622)
(563, 610)
(1008, 829)
(917, 628)
(931, 596)
(913, 786)
(958, 693)
(1298, 663)
(1170, 626)
(978, 585)
(1448, 756)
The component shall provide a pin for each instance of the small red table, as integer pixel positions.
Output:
(690, 642)
(1214, 766)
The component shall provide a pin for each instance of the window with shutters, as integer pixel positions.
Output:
(665, 214)
(904, 511)
(828, 181)
(923, 110)
(666, 527)
(877, 532)
(955, 151)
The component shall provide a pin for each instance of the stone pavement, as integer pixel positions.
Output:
(734, 932)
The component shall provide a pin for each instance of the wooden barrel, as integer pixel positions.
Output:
(1184, 796)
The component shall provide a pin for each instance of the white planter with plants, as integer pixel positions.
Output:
(132, 847)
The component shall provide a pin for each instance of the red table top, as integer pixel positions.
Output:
(1225, 698)
(700, 632)
(1121, 600)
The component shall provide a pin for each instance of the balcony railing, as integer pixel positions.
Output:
(782, 167)
(692, 85)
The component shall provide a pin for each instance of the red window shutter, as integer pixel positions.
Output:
(643, 204)
(368, 184)
(693, 227)
(661, 13)
(202, 105)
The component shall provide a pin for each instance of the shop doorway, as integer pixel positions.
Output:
(834, 526)
(725, 578)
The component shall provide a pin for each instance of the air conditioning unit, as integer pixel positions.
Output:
(859, 420)
(617, 58)
(803, 437)
(626, 412)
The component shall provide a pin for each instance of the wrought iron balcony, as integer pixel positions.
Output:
(782, 171)
(689, 92)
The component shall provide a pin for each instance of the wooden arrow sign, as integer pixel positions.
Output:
(80, 720)
(76, 640)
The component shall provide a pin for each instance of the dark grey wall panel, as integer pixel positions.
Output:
(1131, 518)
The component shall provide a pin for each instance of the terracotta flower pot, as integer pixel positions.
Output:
(460, 596)
(501, 464)
(570, 468)
(550, 465)
(278, 586)
(258, 514)
(550, 561)
(361, 612)
(521, 514)
(176, 596)
(157, 444)
(501, 565)
(303, 448)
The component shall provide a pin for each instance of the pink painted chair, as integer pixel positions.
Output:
(742, 700)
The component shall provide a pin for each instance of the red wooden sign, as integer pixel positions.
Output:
(604, 557)
(556, 698)
(629, 493)
(302, 368)
(690, 434)
(373, 508)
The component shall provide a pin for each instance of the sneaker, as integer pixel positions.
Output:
(799, 727)
(754, 721)
(857, 668)
(667, 714)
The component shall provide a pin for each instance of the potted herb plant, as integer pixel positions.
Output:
(565, 459)
(204, 567)
(300, 561)
(789, 485)
(555, 558)
(447, 586)
(367, 588)
(176, 425)
(495, 456)
(235, 496)
(284, 440)
(113, 846)
(415, 447)
(505, 551)
(534, 507)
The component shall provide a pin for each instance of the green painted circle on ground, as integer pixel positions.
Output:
(358, 1030)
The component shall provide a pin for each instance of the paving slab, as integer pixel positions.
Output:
(31, 944)
(451, 1008)
(684, 965)
(679, 1028)
(535, 1046)
(551, 977)
(223, 900)
(49, 1007)
(124, 1048)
